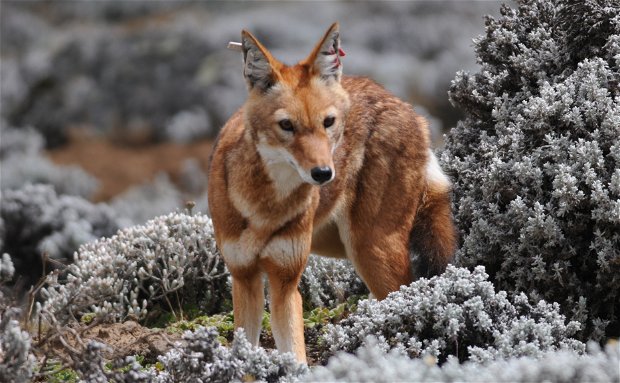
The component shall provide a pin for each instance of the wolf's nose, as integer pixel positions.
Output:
(321, 175)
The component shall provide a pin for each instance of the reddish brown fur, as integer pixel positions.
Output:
(381, 202)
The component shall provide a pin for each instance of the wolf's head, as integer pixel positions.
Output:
(296, 114)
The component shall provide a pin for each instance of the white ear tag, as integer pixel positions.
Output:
(234, 46)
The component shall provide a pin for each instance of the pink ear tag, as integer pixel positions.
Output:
(341, 53)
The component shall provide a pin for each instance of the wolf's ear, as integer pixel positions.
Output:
(325, 58)
(257, 63)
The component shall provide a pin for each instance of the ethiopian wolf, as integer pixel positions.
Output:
(317, 162)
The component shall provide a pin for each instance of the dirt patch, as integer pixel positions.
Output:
(130, 338)
(118, 166)
(123, 339)
(314, 352)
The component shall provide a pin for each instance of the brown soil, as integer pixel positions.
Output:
(118, 166)
(130, 338)
(122, 340)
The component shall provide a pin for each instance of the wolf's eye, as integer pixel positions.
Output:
(329, 121)
(286, 125)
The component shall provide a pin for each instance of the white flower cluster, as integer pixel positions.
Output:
(169, 261)
(455, 314)
(327, 282)
(373, 364)
(536, 162)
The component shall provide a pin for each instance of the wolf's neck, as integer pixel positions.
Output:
(284, 178)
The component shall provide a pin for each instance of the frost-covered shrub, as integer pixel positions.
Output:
(2, 231)
(161, 196)
(143, 202)
(91, 72)
(327, 282)
(21, 162)
(188, 125)
(170, 261)
(198, 358)
(6, 268)
(36, 220)
(7, 271)
(16, 359)
(536, 162)
(71, 180)
(91, 365)
(372, 364)
(25, 141)
(204, 359)
(457, 313)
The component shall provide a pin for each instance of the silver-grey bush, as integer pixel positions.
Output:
(16, 358)
(204, 359)
(536, 161)
(458, 313)
(327, 282)
(199, 357)
(169, 261)
(22, 162)
(38, 221)
(372, 364)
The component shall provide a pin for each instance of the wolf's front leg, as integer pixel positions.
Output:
(287, 322)
(249, 303)
(284, 262)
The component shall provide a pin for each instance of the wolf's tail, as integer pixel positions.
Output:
(433, 239)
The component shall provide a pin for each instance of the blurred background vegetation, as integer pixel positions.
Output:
(133, 92)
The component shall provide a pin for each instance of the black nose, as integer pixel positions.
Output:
(321, 175)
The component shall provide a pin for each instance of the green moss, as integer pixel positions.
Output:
(266, 322)
(224, 323)
(321, 316)
(58, 373)
(88, 318)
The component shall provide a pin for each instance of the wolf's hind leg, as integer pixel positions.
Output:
(382, 261)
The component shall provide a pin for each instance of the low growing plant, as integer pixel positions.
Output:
(38, 221)
(327, 282)
(372, 364)
(457, 314)
(169, 261)
(17, 361)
